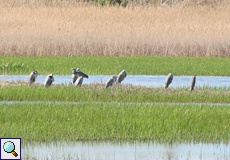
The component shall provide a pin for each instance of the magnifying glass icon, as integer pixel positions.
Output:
(9, 147)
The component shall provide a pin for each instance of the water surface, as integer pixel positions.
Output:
(143, 80)
(117, 103)
(125, 151)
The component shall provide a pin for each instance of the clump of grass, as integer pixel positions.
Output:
(160, 123)
(182, 30)
(13, 67)
(97, 93)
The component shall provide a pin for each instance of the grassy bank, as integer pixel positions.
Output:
(101, 65)
(97, 93)
(162, 123)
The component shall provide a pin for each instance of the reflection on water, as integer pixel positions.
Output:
(125, 151)
(145, 80)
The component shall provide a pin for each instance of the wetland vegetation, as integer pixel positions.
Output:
(122, 122)
(74, 27)
(190, 37)
(120, 93)
(109, 65)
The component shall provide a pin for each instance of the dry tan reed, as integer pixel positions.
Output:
(185, 29)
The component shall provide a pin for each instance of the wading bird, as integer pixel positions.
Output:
(112, 80)
(77, 73)
(79, 81)
(33, 77)
(49, 80)
(121, 76)
(168, 80)
(192, 82)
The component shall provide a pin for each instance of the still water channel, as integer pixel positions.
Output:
(118, 103)
(144, 80)
(125, 151)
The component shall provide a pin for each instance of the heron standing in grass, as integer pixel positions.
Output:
(77, 73)
(111, 81)
(121, 76)
(33, 77)
(49, 80)
(192, 82)
(79, 81)
(168, 80)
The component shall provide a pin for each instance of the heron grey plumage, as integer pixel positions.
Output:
(192, 82)
(168, 80)
(111, 81)
(48, 81)
(77, 73)
(121, 76)
(79, 81)
(74, 77)
(33, 77)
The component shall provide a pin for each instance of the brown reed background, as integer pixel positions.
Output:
(68, 27)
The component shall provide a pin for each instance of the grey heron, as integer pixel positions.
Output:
(33, 77)
(112, 80)
(121, 76)
(192, 82)
(168, 80)
(79, 81)
(77, 73)
(49, 80)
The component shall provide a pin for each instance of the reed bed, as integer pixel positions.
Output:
(119, 93)
(69, 28)
(160, 123)
(109, 65)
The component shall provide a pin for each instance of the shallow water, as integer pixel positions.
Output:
(118, 103)
(144, 80)
(125, 151)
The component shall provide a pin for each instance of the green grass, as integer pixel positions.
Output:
(97, 93)
(89, 121)
(99, 65)
(113, 121)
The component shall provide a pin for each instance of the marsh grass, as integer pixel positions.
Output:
(160, 123)
(122, 93)
(192, 28)
(109, 65)
(5, 67)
